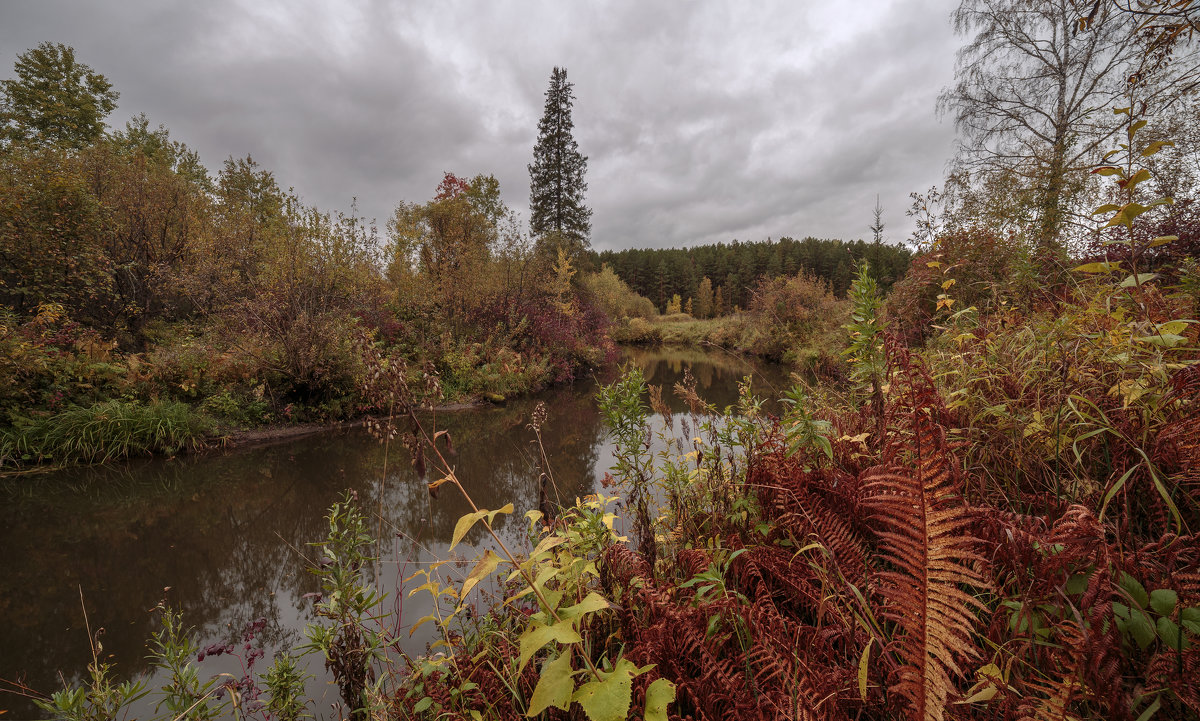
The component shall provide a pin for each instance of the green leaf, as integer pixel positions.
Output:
(538, 635)
(1163, 601)
(1135, 127)
(1137, 279)
(1135, 589)
(482, 570)
(659, 696)
(1162, 240)
(1141, 628)
(554, 687)
(423, 704)
(464, 524)
(1097, 267)
(1151, 709)
(1169, 633)
(1108, 170)
(1107, 208)
(1190, 618)
(608, 699)
(1113, 491)
(1077, 583)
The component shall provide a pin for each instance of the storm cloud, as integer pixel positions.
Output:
(703, 122)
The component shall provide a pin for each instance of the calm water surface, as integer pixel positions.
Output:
(223, 537)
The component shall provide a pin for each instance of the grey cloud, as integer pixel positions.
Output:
(702, 122)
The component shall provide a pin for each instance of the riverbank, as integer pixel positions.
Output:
(209, 526)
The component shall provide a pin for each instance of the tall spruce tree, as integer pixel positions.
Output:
(558, 217)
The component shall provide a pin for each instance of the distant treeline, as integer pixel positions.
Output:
(733, 269)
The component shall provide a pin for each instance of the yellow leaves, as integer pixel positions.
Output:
(944, 301)
(991, 678)
(554, 687)
(465, 523)
(482, 570)
(538, 635)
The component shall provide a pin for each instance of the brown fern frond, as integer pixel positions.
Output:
(925, 544)
(1052, 699)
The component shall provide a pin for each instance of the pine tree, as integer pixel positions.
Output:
(558, 216)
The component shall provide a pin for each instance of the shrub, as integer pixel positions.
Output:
(787, 313)
(614, 297)
(636, 330)
(965, 268)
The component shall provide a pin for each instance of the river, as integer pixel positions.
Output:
(222, 536)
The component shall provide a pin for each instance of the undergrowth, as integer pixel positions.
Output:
(102, 432)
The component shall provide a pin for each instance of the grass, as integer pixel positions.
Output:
(102, 432)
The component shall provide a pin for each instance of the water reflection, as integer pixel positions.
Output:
(223, 537)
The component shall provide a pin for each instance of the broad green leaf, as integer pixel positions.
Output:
(1163, 600)
(1097, 267)
(1135, 589)
(590, 604)
(1190, 618)
(1156, 146)
(1108, 170)
(1137, 279)
(1141, 628)
(1169, 633)
(609, 699)
(538, 635)
(659, 696)
(482, 570)
(1162, 240)
(1107, 208)
(423, 704)
(555, 685)
(1077, 583)
(464, 524)
(1134, 128)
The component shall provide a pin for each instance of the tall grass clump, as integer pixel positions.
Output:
(103, 432)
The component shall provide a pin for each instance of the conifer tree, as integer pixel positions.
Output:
(558, 216)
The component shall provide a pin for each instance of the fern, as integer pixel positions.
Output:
(927, 552)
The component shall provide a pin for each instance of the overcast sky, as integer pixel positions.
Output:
(702, 121)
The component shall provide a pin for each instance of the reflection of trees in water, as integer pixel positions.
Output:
(226, 531)
(223, 532)
(717, 373)
(496, 460)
